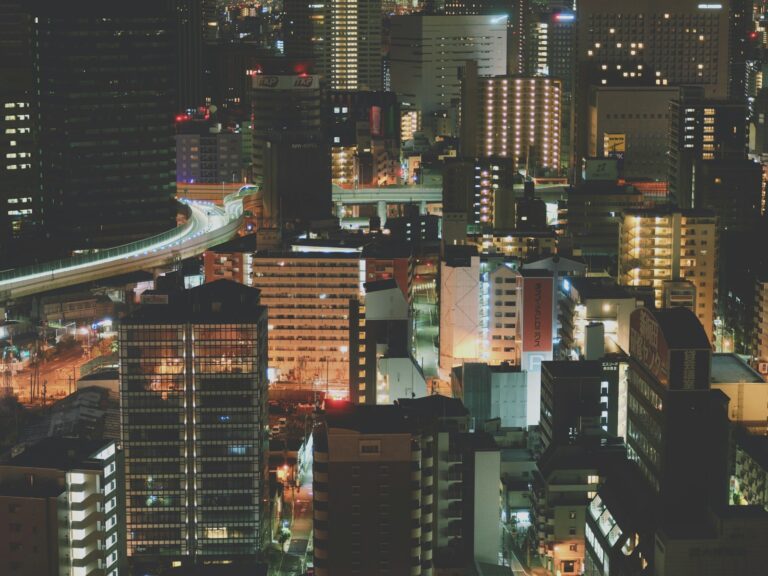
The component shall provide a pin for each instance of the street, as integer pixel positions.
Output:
(59, 374)
(298, 503)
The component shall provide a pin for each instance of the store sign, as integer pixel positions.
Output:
(264, 82)
(537, 314)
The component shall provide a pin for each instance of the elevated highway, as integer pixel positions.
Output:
(208, 225)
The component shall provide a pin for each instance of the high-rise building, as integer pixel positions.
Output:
(107, 155)
(193, 387)
(658, 246)
(62, 509)
(288, 131)
(632, 43)
(352, 41)
(677, 428)
(512, 117)
(304, 31)
(701, 131)
(21, 217)
(427, 52)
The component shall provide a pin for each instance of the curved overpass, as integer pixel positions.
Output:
(207, 226)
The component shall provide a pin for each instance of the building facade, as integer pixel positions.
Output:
(62, 509)
(661, 246)
(193, 386)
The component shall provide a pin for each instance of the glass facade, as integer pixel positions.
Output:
(193, 408)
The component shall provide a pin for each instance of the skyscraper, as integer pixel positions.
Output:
(106, 79)
(352, 42)
(20, 208)
(193, 385)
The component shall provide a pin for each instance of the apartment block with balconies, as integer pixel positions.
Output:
(657, 247)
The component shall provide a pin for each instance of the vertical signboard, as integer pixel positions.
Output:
(647, 344)
(537, 314)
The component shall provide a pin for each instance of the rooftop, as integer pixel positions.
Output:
(568, 369)
(365, 419)
(681, 328)
(731, 369)
(61, 454)
(222, 301)
(595, 287)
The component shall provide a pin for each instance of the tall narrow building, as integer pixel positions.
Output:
(106, 79)
(353, 44)
(193, 386)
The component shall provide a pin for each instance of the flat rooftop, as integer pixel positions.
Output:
(732, 369)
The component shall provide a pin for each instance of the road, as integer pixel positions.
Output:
(208, 225)
(293, 562)
(427, 323)
(60, 375)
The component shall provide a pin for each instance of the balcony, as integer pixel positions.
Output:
(455, 510)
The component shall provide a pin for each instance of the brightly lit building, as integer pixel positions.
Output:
(193, 400)
(512, 117)
(658, 246)
(62, 503)
(352, 40)
(308, 296)
(478, 308)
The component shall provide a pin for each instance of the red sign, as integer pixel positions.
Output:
(537, 314)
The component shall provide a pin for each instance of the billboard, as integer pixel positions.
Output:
(647, 344)
(614, 144)
(271, 82)
(537, 314)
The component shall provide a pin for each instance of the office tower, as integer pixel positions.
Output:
(107, 172)
(512, 117)
(352, 41)
(62, 509)
(190, 29)
(381, 365)
(206, 153)
(628, 43)
(365, 136)
(288, 131)
(427, 52)
(702, 130)
(491, 392)
(550, 50)
(663, 245)
(193, 386)
(20, 208)
(211, 15)
(403, 489)
(574, 402)
(304, 31)
(677, 428)
(480, 189)
(594, 209)
(632, 124)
